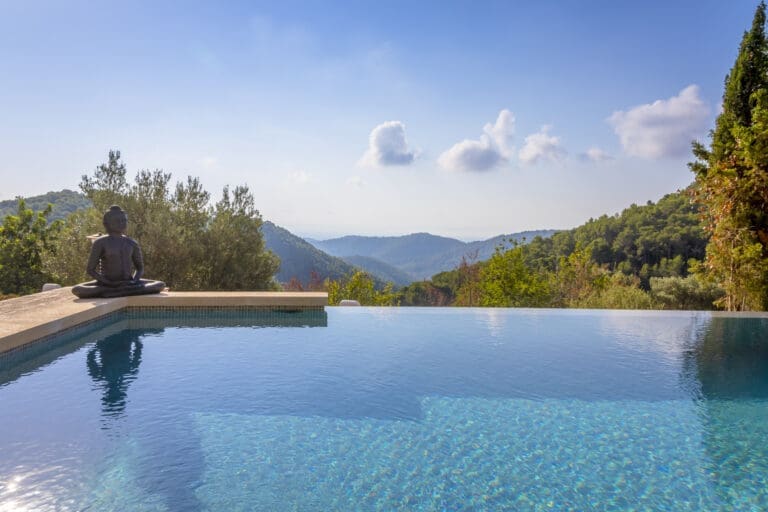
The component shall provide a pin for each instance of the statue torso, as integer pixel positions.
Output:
(116, 256)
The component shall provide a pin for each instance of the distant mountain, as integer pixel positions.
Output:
(383, 271)
(299, 259)
(64, 202)
(420, 255)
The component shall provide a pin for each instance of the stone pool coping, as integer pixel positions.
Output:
(27, 319)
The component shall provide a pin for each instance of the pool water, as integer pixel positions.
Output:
(390, 409)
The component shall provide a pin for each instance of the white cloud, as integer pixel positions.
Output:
(387, 146)
(541, 146)
(595, 154)
(493, 148)
(502, 132)
(664, 128)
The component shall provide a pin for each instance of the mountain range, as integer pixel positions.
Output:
(396, 259)
(420, 255)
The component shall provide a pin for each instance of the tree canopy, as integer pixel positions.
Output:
(732, 178)
(187, 243)
(25, 239)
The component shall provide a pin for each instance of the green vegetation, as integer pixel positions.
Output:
(25, 239)
(192, 245)
(732, 179)
(640, 259)
(361, 287)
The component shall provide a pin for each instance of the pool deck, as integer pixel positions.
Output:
(26, 319)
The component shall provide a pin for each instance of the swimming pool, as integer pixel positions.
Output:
(390, 408)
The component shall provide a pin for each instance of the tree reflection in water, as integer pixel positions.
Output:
(730, 365)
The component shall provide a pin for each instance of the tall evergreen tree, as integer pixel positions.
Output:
(732, 178)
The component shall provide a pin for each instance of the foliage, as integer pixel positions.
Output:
(732, 178)
(24, 240)
(577, 278)
(656, 239)
(425, 293)
(468, 289)
(506, 280)
(67, 265)
(236, 258)
(617, 292)
(607, 262)
(361, 287)
(690, 292)
(186, 242)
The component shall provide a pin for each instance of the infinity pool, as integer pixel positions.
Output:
(390, 409)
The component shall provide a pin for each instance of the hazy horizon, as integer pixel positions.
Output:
(461, 120)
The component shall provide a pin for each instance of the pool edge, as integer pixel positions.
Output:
(28, 319)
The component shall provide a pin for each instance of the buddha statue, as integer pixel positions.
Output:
(112, 262)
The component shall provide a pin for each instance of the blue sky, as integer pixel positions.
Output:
(464, 119)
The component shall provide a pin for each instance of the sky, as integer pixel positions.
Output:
(462, 119)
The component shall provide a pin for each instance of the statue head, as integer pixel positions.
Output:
(115, 220)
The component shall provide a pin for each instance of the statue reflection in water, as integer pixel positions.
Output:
(113, 363)
(729, 364)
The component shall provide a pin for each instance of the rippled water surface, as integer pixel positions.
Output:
(387, 409)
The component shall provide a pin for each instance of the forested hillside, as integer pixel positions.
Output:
(299, 259)
(655, 239)
(640, 258)
(64, 203)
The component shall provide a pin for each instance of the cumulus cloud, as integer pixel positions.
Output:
(541, 146)
(493, 147)
(663, 128)
(387, 146)
(595, 154)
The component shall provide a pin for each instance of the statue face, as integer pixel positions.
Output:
(116, 223)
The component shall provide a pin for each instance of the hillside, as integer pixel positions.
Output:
(639, 258)
(299, 259)
(643, 240)
(419, 255)
(381, 270)
(64, 202)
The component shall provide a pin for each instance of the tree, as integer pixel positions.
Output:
(732, 178)
(237, 258)
(360, 286)
(468, 292)
(507, 281)
(66, 265)
(186, 242)
(577, 278)
(24, 239)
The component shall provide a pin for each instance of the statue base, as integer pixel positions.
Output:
(94, 289)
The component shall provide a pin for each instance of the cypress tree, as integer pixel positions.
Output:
(732, 178)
